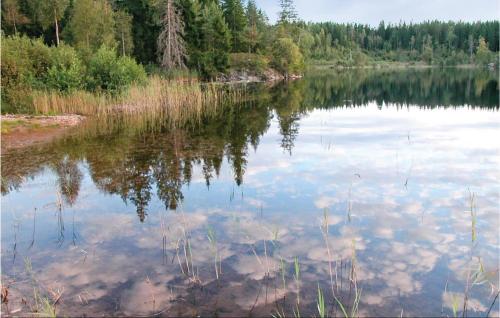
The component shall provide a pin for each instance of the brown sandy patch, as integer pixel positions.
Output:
(23, 130)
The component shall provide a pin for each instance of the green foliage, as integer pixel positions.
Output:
(484, 56)
(248, 62)
(66, 72)
(45, 12)
(218, 35)
(12, 16)
(109, 72)
(215, 45)
(146, 27)
(442, 43)
(28, 64)
(123, 32)
(427, 51)
(48, 13)
(288, 14)
(24, 62)
(191, 15)
(91, 25)
(234, 15)
(287, 58)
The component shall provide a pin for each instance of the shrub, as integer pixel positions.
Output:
(287, 58)
(248, 62)
(24, 61)
(66, 72)
(127, 71)
(107, 71)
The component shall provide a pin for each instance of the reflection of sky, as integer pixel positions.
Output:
(405, 174)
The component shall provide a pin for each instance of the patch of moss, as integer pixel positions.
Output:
(9, 125)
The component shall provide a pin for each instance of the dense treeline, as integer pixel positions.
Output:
(105, 46)
(433, 42)
(199, 34)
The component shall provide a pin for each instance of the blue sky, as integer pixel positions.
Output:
(373, 11)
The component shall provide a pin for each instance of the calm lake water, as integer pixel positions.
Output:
(364, 179)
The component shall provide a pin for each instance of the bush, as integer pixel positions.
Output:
(30, 64)
(109, 72)
(66, 72)
(248, 62)
(24, 62)
(287, 58)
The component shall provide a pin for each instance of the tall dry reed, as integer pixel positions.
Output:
(159, 100)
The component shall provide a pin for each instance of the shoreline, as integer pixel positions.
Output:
(20, 131)
(23, 130)
(390, 65)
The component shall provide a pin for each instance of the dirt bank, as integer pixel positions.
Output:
(25, 130)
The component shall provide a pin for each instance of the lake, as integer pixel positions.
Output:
(371, 191)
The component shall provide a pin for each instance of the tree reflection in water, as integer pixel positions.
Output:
(132, 163)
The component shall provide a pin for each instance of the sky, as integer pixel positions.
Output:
(373, 11)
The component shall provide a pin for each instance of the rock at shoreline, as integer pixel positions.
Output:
(268, 75)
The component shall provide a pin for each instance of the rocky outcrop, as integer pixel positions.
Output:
(268, 75)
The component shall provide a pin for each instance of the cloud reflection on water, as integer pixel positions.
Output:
(404, 173)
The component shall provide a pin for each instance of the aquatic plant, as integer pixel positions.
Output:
(355, 306)
(321, 303)
(213, 242)
(473, 214)
(324, 230)
(283, 272)
(43, 305)
(297, 279)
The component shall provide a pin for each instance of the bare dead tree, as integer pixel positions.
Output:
(171, 46)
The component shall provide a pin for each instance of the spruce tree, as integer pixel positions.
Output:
(191, 11)
(216, 42)
(234, 14)
(252, 25)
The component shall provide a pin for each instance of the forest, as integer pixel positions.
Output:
(108, 45)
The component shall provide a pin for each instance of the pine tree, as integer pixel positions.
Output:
(171, 46)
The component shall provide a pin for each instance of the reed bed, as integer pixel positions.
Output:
(159, 100)
(79, 102)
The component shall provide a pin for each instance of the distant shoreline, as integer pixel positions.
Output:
(389, 65)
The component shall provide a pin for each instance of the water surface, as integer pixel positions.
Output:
(364, 178)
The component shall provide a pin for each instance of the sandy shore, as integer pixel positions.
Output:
(24, 130)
